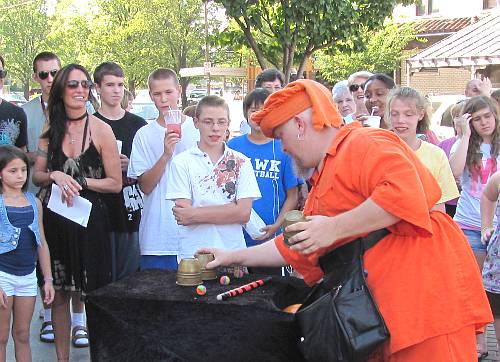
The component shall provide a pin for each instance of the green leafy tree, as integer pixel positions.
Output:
(383, 53)
(23, 30)
(285, 32)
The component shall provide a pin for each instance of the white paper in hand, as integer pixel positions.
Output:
(79, 212)
(254, 225)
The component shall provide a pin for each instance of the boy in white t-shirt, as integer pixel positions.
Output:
(152, 151)
(213, 186)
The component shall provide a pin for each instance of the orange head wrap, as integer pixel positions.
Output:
(296, 97)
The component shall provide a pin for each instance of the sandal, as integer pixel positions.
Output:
(47, 333)
(79, 337)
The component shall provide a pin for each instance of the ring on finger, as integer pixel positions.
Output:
(65, 187)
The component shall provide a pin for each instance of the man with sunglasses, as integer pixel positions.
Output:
(12, 118)
(45, 67)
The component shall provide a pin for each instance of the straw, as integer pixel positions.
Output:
(373, 111)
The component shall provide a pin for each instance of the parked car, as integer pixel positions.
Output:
(14, 98)
(146, 110)
(195, 95)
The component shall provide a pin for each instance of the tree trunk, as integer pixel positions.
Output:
(253, 44)
(184, 84)
(300, 71)
(131, 86)
(27, 89)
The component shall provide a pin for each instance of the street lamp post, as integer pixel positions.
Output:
(207, 58)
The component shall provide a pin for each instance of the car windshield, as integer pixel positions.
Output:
(147, 111)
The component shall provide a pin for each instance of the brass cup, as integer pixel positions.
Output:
(204, 259)
(291, 217)
(189, 272)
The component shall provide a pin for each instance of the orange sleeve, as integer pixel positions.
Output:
(402, 186)
(306, 266)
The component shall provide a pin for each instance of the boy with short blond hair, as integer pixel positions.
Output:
(152, 152)
(212, 185)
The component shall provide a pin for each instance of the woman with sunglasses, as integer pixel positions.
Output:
(77, 154)
(356, 83)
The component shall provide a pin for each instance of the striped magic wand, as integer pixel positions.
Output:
(244, 288)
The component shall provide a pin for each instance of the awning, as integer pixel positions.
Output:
(475, 45)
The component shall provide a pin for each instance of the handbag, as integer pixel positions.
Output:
(340, 320)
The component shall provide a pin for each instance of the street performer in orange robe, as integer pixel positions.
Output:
(423, 274)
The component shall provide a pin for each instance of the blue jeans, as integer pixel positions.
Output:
(165, 262)
(474, 238)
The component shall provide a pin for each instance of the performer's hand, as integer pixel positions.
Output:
(269, 230)
(222, 257)
(3, 299)
(183, 213)
(316, 233)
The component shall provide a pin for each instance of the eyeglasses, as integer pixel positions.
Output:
(207, 123)
(355, 87)
(3, 74)
(44, 75)
(73, 84)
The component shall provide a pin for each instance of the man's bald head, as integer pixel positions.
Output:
(473, 88)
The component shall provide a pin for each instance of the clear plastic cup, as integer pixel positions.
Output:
(173, 120)
(372, 121)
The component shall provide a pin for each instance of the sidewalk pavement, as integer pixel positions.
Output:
(491, 341)
(44, 352)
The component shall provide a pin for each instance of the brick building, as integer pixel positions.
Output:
(461, 44)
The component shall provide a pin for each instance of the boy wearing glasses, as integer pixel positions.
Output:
(212, 185)
(152, 151)
(12, 118)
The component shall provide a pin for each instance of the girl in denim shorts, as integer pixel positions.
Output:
(22, 241)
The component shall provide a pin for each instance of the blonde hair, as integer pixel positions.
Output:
(421, 103)
(127, 97)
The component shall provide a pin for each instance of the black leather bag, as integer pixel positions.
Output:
(340, 320)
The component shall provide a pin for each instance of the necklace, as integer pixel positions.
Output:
(77, 118)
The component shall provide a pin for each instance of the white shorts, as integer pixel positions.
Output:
(19, 286)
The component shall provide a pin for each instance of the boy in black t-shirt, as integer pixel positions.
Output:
(13, 125)
(125, 207)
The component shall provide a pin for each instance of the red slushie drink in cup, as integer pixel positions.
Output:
(173, 120)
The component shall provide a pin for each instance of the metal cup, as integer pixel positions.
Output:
(189, 272)
(291, 217)
(204, 259)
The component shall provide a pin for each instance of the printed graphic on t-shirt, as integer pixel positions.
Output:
(9, 131)
(479, 177)
(224, 176)
(133, 199)
(267, 169)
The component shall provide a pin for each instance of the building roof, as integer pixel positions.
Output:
(433, 26)
(476, 44)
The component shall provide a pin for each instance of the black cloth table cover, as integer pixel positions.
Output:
(147, 317)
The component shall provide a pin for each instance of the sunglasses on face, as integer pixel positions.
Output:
(355, 87)
(44, 75)
(73, 84)
(3, 74)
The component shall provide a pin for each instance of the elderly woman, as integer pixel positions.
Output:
(78, 155)
(344, 100)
